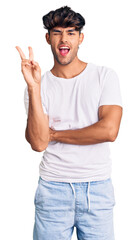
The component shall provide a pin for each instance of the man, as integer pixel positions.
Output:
(74, 111)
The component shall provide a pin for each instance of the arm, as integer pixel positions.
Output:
(37, 130)
(105, 130)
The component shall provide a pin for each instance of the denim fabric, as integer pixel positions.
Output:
(61, 206)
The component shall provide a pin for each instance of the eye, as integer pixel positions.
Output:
(71, 33)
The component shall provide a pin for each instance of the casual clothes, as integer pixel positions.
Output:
(72, 104)
(75, 187)
(60, 206)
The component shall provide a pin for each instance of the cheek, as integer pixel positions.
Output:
(54, 44)
(54, 48)
(75, 48)
(75, 44)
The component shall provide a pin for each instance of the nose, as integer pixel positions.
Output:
(63, 36)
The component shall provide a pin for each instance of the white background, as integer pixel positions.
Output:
(111, 39)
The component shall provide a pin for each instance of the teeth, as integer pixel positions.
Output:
(64, 48)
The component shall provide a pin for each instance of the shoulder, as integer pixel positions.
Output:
(105, 70)
(107, 74)
(102, 70)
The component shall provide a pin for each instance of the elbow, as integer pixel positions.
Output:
(36, 149)
(39, 148)
(37, 145)
(112, 135)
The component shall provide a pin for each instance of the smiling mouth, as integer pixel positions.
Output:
(64, 51)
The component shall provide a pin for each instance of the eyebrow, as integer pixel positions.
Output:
(70, 30)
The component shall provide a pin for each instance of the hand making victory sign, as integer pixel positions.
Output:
(32, 75)
(30, 69)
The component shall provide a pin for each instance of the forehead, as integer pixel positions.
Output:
(67, 29)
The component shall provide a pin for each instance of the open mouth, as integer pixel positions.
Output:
(64, 50)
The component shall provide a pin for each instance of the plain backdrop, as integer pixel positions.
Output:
(110, 39)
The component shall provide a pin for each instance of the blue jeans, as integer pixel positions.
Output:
(61, 206)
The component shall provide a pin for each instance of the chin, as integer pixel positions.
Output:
(64, 62)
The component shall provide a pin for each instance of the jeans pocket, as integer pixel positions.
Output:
(102, 194)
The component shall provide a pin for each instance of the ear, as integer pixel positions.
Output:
(81, 37)
(48, 38)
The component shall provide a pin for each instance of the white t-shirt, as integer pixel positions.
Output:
(72, 104)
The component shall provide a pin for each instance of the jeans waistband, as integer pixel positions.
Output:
(88, 183)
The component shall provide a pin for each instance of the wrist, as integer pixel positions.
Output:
(58, 135)
(34, 89)
(52, 135)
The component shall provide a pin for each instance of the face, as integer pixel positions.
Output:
(64, 43)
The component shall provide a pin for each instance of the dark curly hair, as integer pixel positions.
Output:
(63, 17)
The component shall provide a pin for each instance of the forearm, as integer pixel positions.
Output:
(96, 133)
(37, 131)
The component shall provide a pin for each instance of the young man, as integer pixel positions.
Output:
(74, 111)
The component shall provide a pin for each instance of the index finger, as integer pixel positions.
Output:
(31, 56)
(22, 55)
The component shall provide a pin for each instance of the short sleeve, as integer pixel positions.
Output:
(111, 92)
(26, 102)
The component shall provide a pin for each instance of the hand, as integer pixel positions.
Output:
(51, 134)
(30, 69)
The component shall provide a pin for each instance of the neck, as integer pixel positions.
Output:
(70, 70)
